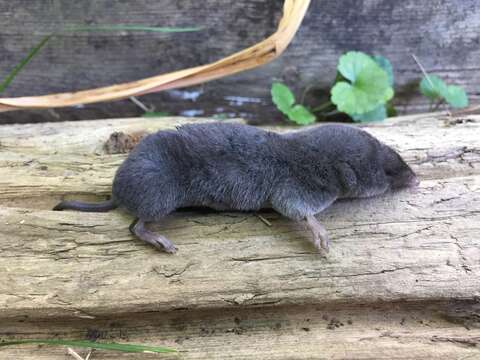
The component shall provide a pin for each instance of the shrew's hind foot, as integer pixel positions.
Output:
(320, 235)
(138, 229)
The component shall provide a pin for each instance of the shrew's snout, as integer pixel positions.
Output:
(404, 178)
(397, 170)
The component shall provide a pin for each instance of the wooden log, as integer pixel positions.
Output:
(414, 245)
(444, 39)
(408, 246)
(401, 281)
(41, 164)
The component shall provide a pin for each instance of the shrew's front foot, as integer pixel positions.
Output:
(320, 235)
(160, 242)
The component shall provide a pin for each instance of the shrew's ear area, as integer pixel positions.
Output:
(398, 172)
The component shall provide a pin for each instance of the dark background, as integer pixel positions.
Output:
(444, 34)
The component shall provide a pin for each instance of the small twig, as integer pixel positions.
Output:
(89, 354)
(472, 110)
(141, 105)
(74, 354)
(423, 71)
(332, 113)
(265, 221)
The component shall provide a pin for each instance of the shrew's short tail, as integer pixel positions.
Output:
(87, 207)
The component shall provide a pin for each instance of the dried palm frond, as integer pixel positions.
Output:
(259, 54)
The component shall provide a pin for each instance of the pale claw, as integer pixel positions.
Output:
(160, 242)
(321, 239)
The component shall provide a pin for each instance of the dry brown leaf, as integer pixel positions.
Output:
(259, 54)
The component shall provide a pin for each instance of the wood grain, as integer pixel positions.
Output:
(392, 331)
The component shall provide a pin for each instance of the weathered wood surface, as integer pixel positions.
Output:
(382, 332)
(396, 248)
(444, 34)
(239, 288)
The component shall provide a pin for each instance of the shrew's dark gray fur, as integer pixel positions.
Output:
(239, 167)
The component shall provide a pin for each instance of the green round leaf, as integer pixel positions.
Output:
(367, 93)
(352, 63)
(433, 87)
(456, 96)
(386, 65)
(301, 115)
(377, 114)
(282, 97)
(369, 87)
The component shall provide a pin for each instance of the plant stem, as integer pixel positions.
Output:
(23, 63)
(437, 105)
(423, 71)
(322, 107)
(331, 113)
(305, 92)
(130, 28)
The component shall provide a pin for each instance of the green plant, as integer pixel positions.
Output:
(362, 90)
(31, 54)
(439, 92)
(94, 345)
(130, 28)
(284, 99)
(36, 49)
